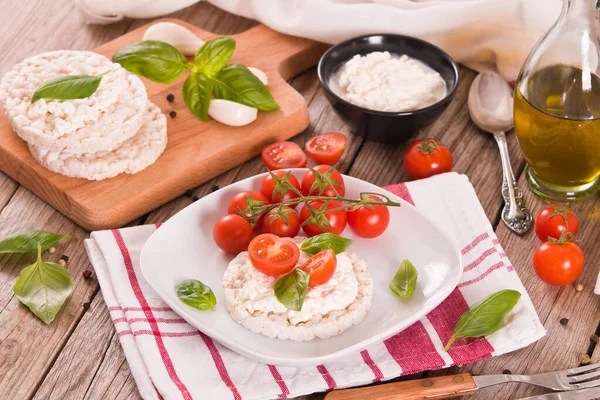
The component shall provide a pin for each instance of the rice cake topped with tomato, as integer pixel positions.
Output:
(328, 310)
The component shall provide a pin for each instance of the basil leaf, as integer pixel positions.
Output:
(27, 242)
(44, 288)
(404, 282)
(197, 90)
(236, 83)
(214, 55)
(68, 87)
(158, 61)
(486, 317)
(326, 241)
(290, 289)
(196, 294)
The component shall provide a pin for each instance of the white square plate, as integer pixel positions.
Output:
(183, 248)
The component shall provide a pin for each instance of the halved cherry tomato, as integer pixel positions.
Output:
(321, 187)
(369, 223)
(327, 148)
(555, 219)
(425, 158)
(268, 187)
(282, 155)
(277, 225)
(238, 204)
(337, 219)
(321, 267)
(273, 255)
(232, 233)
(558, 262)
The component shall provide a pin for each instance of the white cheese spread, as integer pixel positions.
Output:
(384, 82)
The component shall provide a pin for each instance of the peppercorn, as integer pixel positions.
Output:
(86, 306)
(172, 114)
(65, 257)
(87, 274)
(507, 372)
(195, 198)
(189, 192)
(564, 321)
(52, 250)
(584, 359)
(170, 97)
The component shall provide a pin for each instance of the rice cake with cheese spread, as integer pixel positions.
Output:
(101, 122)
(132, 156)
(328, 309)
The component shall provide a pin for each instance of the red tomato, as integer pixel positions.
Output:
(282, 155)
(369, 223)
(273, 255)
(321, 267)
(425, 158)
(321, 188)
(238, 204)
(278, 226)
(555, 219)
(326, 148)
(337, 219)
(269, 185)
(558, 263)
(232, 233)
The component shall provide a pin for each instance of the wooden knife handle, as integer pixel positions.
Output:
(441, 387)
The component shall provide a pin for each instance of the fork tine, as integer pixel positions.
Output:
(580, 370)
(589, 384)
(584, 377)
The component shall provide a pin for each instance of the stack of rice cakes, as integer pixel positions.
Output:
(116, 130)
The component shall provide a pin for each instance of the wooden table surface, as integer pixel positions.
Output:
(79, 356)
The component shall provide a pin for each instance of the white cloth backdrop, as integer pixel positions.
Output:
(483, 34)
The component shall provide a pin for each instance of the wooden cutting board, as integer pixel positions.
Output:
(196, 151)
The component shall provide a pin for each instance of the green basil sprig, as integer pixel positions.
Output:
(158, 61)
(326, 241)
(27, 242)
(196, 294)
(44, 288)
(291, 289)
(209, 73)
(68, 87)
(404, 282)
(486, 317)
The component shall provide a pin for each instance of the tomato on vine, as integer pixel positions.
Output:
(280, 187)
(554, 220)
(322, 180)
(427, 157)
(369, 221)
(319, 216)
(558, 261)
(244, 202)
(283, 223)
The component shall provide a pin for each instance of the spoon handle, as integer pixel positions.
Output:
(515, 215)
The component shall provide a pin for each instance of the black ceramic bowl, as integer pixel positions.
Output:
(383, 126)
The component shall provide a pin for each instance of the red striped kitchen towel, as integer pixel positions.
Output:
(170, 359)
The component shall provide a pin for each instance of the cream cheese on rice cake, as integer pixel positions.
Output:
(101, 122)
(132, 156)
(328, 309)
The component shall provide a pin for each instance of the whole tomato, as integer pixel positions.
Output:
(369, 222)
(232, 233)
(247, 201)
(269, 188)
(337, 219)
(425, 158)
(317, 185)
(555, 219)
(558, 262)
(283, 224)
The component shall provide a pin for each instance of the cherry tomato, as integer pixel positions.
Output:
(326, 148)
(269, 185)
(273, 255)
(232, 233)
(321, 267)
(238, 203)
(425, 158)
(282, 155)
(321, 187)
(278, 226)
(337, 219)
(558, 263)
(555, 219)
(369, 223)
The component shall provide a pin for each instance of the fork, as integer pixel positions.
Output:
(444, 387)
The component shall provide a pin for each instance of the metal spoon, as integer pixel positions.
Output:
(491, 108)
